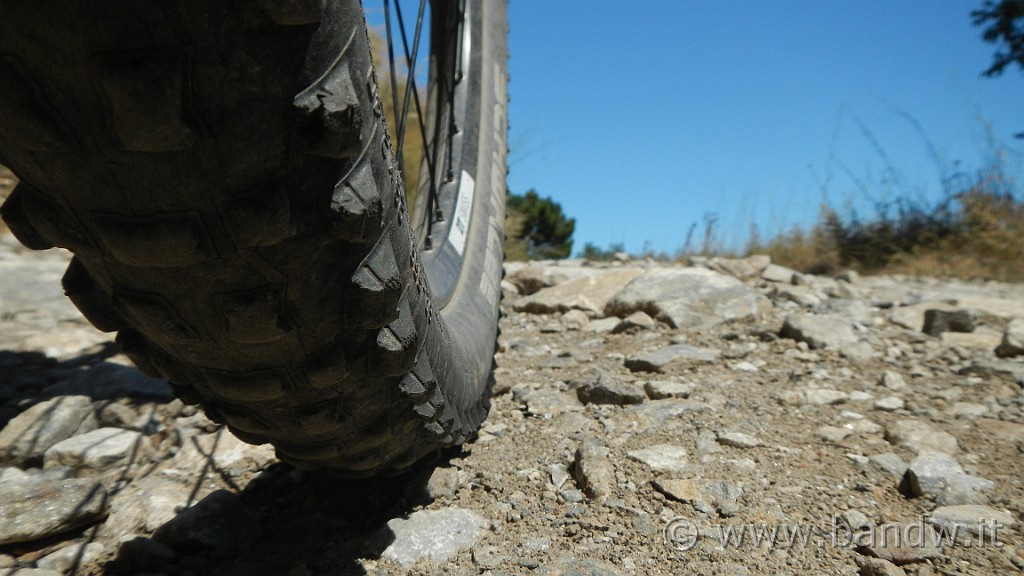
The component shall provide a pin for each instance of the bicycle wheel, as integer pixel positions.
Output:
(223, 174)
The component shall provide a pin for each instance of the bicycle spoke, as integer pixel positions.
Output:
(430, 154)
(410, 63)
(447, 44)
(394, 75)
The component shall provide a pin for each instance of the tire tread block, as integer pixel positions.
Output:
(29, 120)
(356, 203)
(153, 315)
(91, 301)
(331, 105)
(292, 12)
(261, 218)
(159, 241)
(41, 221)
(19, 222)
(379, 283)
(253, 316)
(146, 94)
(253, 386)
(328, 369)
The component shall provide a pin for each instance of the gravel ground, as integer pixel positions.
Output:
(728, 418)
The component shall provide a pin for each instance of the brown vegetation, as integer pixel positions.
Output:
(977, 233)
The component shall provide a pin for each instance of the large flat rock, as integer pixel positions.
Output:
(99, 451)
(819, 330)
(689, 298)
(589, 293)
(33, 506)
(434, 535)
(30, 434)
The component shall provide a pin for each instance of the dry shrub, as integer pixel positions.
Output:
(990, 246)
(978, 233)
(804, 251)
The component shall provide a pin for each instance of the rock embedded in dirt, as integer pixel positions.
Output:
(683, 490)
(444, 482)
(145, 505)
(776, 273)
(889, 404)
(893, 381)
(28, 435)
(575, 320)
(544, 403)
(662, 457)
(738, 440)
(741, 268)
(855, 519)
(917, 436)
(658, 360)
(801, 295)
(1005, 431)
(122, 414)
(891, 463)
(221, 453)
(589, 293)
(972, 519)
(661, 389)
(638, 320)
(834, 434)
(824, 396)
(662, 414)
(1012, 343)
(605, 389)
(983, 338)
(33, 506)
(939, 476)
(910, 316)
(1007, 369)
(968, 410)
(877, 567)
(602, 326)
(689, 298)
(70, 557)
(937, 321)
(99, 451)
(819, 331)
(724, 496)
(593, 470)
(433, 535)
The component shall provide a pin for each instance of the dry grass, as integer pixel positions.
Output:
(978, 233)
(808, 251)
(990, 245)
(516, 248)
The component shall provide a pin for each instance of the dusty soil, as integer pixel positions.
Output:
(586, 466)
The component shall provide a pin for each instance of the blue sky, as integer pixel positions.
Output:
(643, 118)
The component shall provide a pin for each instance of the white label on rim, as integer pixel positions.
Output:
(463, 208)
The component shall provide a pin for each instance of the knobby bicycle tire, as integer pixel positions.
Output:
(223, 174)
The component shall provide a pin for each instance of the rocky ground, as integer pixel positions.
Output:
(646, 418)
